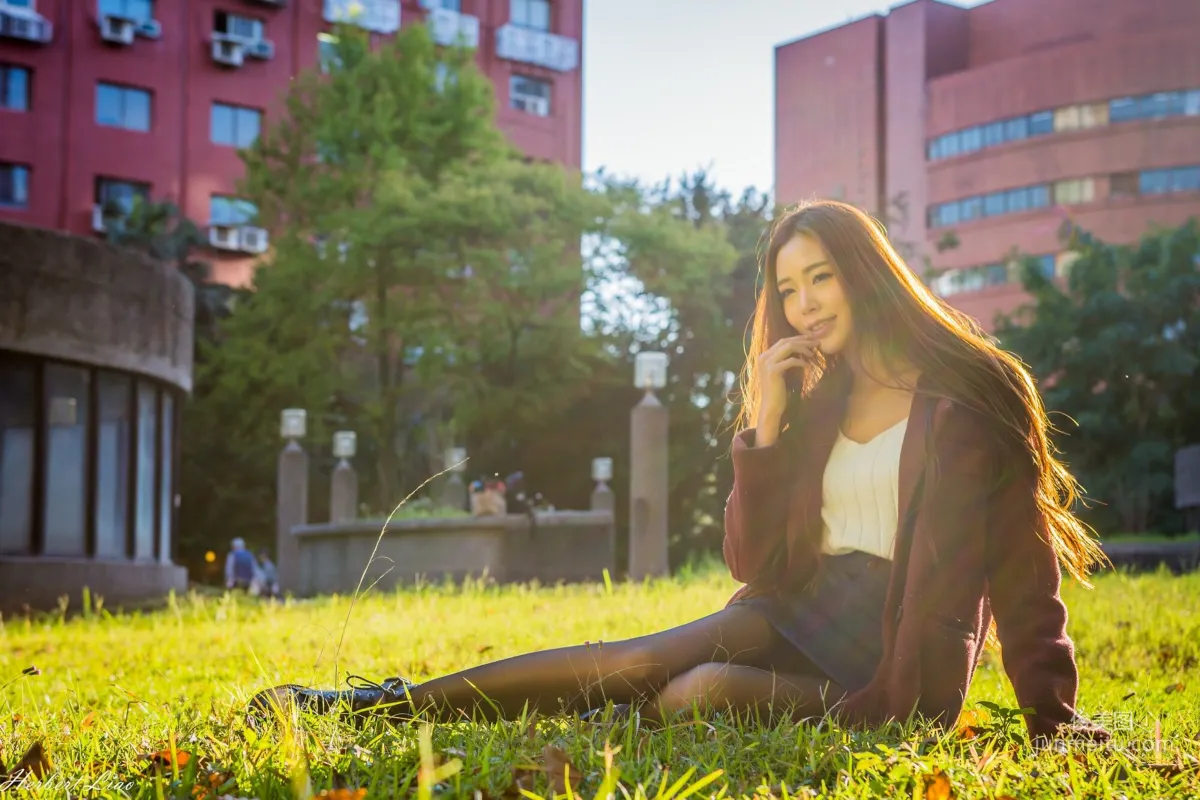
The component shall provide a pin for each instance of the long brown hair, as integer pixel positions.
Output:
(898, 316)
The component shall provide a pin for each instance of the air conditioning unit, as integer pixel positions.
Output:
(263, 49)
(23, 24)
(254, 240)
(117, 30)
(150, 29)
(229, 52)
(223, 237)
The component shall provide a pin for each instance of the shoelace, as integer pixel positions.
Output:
(389, 685)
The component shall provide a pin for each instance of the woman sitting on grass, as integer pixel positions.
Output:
(894, 490)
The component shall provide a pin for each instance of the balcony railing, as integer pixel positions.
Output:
(453, 28)
(544, 49)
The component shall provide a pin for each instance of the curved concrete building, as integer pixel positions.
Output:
(995, 123)
(95, 359)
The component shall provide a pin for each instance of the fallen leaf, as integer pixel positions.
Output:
(35, 762)
(937, 787)
(342, 794)
(88, 721)
(560, 771)
(16, 720)
(1174, 687)
(1126, 697)
(487, 648)
(177, 759)
(208, 784)
(969, 723)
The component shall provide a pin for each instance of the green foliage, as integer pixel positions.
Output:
(1117, 350)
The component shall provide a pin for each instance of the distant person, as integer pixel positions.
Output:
(268, 576)
(240, 566)
(895, 491)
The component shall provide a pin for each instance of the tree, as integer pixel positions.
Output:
(1117, 350)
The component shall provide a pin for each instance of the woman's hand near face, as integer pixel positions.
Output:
(793, 352)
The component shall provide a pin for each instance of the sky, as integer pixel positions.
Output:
(670, 86)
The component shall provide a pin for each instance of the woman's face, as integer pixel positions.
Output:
(814, 298)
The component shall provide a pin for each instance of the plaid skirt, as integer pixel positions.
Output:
(837, 621)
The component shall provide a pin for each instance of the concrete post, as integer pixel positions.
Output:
(648, 489)
(603, 498)
(343, 493)
(291, 509)
(454, 492)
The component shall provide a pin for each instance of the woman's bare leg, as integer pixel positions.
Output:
(586, 676)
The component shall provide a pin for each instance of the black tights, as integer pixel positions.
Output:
(730, 659)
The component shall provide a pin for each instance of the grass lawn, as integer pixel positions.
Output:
(114, 690)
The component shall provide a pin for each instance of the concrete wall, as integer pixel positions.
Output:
(38, 583)
(84, 300)
(564, 546)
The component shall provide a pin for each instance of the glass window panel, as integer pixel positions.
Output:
(248, 122)
(147, 447)
(1185, 179)
(993, 134)
(970, 208)
(108, 104)
(1122, 109)
(1093, 115)
(1191, 103)
(14, 91)
(1041, 123)
(1155, 181)
(971, 140)
(1016, 128)
(137, 110)
(1039, 196)
(996, 274)
(933, 150)
(539, 14)
(1066, 192)
(1045, 265)
(1155, 106)
(17, 419)
(166, 458)
(222, 128)
(1066, 118)
(1018, 200)
(1176, 103)
(995, 203)
(112, 464)
(1123, 184)
(972, 279)
(66, 413)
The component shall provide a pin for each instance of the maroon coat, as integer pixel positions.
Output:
(970, 550)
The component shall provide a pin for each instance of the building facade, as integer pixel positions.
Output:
(102, 100)
(95, 360)
(995, 124)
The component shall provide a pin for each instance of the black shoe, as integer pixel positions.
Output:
(389, 698)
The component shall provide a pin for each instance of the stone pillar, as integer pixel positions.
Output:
(603, 498)
(648, 489)
(343, 493)
(291, 509)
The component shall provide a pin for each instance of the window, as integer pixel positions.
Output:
(1016, 128)
(1041, 123)
(1039, 196)
(327, 54)
(950, 145)
(17, 415)
(230, 211)
(112, 463)
(995, 203)
(147, 445)
(533, 14)
(1155, 181)
(140, 11)
(235, 126)
(1155, 106)
(1045, 265)
(995, 274)
(1066, 118)
(122, 107)
(1093, 115)
(530, 95)
(970, 208)
(1185, 179)
(118, 196)
(14, 87)
(67, 392)
(449, 5)
(14, 185)
(1122, 109)
(1123, 184)
(971, 140)
(234, 26)
(1017, 200)
(1191, 103)
(993, 134)
(1074, 191)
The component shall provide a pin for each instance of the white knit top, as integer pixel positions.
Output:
(860, 493)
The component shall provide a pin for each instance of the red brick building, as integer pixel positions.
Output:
(994, 123)
(102, 99)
